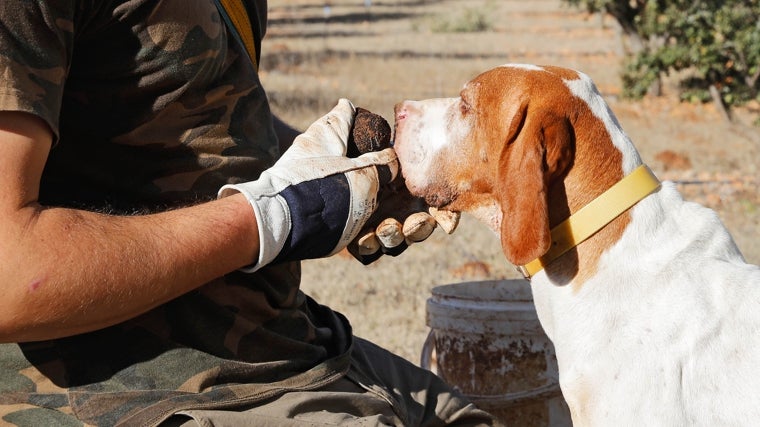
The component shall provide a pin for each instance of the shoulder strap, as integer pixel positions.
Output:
(236, 17)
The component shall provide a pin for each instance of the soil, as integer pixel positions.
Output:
(379, 53)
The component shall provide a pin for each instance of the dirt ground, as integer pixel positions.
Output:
(377, 53)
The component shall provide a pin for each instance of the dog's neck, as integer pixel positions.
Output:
(570, 192)
(603, 156)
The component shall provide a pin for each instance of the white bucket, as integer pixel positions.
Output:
(487, 341)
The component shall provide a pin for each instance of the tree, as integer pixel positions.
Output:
(716, 41)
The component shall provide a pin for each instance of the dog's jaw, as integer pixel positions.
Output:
(489, 213)
(426, 135)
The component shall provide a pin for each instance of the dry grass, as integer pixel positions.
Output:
(391, 51)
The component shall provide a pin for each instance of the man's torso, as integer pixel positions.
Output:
(154, 107)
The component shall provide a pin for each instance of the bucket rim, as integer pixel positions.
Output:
(495, 291)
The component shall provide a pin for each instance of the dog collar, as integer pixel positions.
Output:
(595, 215)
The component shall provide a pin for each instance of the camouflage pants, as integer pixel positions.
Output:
(366, 386)
(380, 389)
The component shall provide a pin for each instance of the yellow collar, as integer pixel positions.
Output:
(595, 215)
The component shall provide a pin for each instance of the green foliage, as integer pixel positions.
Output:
(718, 41)
(625, 12)
(471, 20)
(639, 74)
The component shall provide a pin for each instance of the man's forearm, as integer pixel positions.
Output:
(66, 271)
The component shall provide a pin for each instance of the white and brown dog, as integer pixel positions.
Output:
(654, 314)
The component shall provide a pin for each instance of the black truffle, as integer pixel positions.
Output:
(371, 132)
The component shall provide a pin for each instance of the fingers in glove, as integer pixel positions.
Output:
(366, 248)
(391, 236)
(390, 233)
(448, 220)
(328, 136)
(367, 243)
(385, 161)
(418, 227)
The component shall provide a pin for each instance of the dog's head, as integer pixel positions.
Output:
(499, 149)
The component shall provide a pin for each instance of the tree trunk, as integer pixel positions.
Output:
(719, 104)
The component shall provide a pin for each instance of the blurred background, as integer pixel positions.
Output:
(696, 123)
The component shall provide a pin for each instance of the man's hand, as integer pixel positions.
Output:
(315, 200)
(400, 220)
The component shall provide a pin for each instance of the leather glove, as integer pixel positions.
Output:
(314, 200)
(400, 220)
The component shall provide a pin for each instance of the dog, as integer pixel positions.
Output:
(652, 309)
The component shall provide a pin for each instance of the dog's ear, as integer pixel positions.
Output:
(522, 189)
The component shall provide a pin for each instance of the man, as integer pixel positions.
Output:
(135, 292)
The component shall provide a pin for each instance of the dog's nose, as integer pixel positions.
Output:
(402, 110)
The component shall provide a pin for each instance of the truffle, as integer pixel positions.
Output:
(371, 132)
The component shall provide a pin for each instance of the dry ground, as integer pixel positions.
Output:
(392, 50)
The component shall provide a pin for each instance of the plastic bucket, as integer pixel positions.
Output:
(485, 339)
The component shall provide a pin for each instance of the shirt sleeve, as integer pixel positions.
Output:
(36, 41)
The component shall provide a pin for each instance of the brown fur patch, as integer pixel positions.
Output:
(556, 157)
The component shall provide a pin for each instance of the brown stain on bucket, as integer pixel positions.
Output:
(477, 368)
(484, 372)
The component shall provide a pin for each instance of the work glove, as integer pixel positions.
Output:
(400, 220)
(314, 200)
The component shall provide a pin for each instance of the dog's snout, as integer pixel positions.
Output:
(403, 109)
(400, 111)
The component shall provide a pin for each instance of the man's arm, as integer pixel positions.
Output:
(65, 271)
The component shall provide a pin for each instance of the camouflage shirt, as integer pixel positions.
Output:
(154, 105)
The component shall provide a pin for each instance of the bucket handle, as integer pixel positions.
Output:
(427, 360)
(548, 391)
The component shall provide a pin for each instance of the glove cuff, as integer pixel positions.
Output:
(273, 219)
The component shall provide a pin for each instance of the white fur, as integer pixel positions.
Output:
(586, 90)
(666, 332)
(670, 321)
(529, 67)
(488, 213)
(434, 131)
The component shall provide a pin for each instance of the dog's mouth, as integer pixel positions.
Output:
(420, 182)
(437, 196)
(440, 202)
